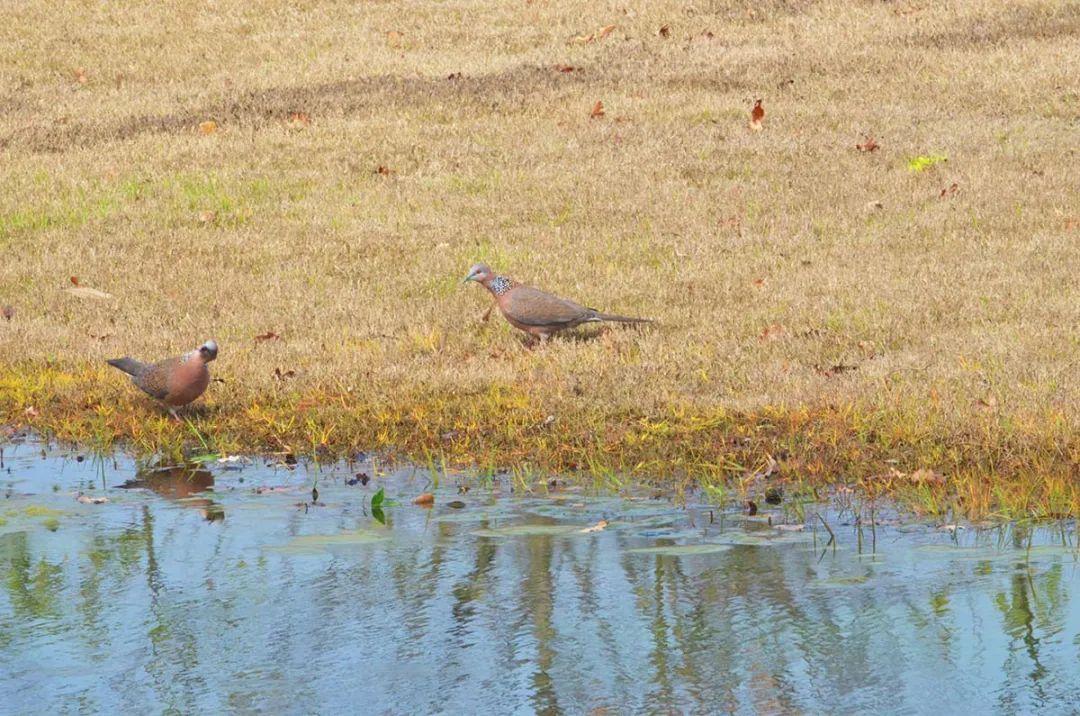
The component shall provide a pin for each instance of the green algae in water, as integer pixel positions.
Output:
(840, 582)
(314, 544)
(764, 538)
(681, 550)
(532, 531)
(1009, 554)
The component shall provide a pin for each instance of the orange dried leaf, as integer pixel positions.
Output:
(597, 110)
(757, 116)
(208, 127)
(604, 32)
(425, 499)
(74, 280)
(868, 145)
(395, 39)
(566, 68)
(80, 76)
(268, 336)
(772, 332)
(299, 119)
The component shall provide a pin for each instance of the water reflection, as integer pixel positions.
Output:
(185, 483)
(504, 606)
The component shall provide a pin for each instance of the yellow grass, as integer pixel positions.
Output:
(215, 167)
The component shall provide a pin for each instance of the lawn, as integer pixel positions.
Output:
(878, 285)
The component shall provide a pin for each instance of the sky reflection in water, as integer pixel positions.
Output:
(220, 589)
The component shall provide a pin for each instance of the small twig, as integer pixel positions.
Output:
(832, 537)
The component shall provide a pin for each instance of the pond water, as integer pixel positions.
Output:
(224, 588)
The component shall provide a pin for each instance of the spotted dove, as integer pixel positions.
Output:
(537, 312)
(174, 381)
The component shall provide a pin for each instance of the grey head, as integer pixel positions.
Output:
(480, 273)
(208, 351)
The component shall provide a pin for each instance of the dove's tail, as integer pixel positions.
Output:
(128, 365)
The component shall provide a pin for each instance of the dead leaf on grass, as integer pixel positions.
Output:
(299, 120)
(869, 144)
(772, 332)
(757, 117)
(595, 36)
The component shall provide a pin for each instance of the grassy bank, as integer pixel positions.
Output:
(322, 175)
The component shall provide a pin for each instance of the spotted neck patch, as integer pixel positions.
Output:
(499, 285)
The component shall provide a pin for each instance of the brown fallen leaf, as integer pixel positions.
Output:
(598, 527)
(594, 36)
(74, 280)
(80, 76)
(772, 332)
(758, 282)
(208, 127)
(282, 375)
(757, 116)
(8, 312)
(987, 404)
(454, 76)
(424, 499)
(268, 336)
(384, 171)
(948, 191)
(664, 31)
(868, 145)
(567, 68)
(597, 110)
(299, 120)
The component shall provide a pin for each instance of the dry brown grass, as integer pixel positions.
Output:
(956, 318)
